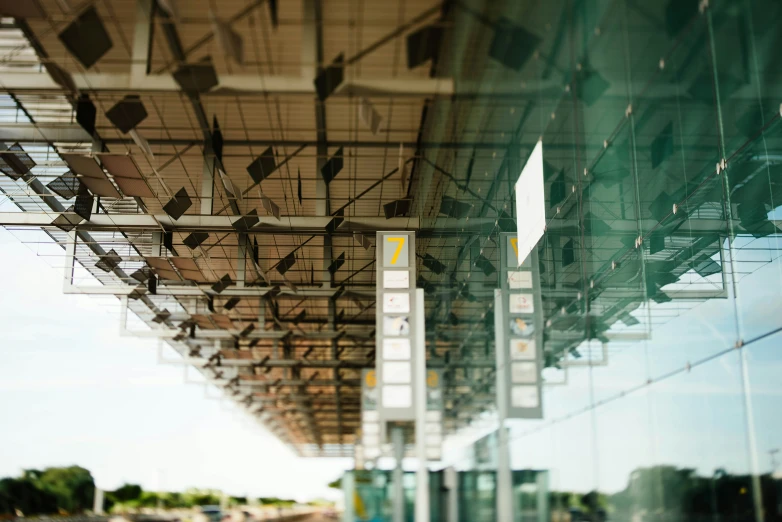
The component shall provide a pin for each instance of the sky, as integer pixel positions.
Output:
(72, 391)
(722, 413)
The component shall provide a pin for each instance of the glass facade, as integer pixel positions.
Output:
(660, 272)
(369, 495)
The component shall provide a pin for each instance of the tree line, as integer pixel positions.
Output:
(71, 490)
(670, 494)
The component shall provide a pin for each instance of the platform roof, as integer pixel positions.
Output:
(605, 102)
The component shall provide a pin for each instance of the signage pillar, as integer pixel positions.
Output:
(518, 335)
(397, 352)
(519, 332)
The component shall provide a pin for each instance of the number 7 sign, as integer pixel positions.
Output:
(395, 251)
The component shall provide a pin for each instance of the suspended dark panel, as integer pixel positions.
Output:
(568, 253)
(195, 239)
(485, 265)
(246, 222)
(222, 284)
(398, 208)
(590, 85)
(198, 77)
(656, 242)
(109, 262)
(327, 80)
(15, 162)
(85, 114)
(178, 205)
(333, 166)
(678, 14)
(263, 166)
(662, 146)
(423, 45)
(337, 264)
(433, 264)
(127, 113)
(84, 203)
(454, 208)
(86, 38)
(286, 263)
(512, 44)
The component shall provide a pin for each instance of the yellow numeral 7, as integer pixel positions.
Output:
(400, 243)
(514, 242)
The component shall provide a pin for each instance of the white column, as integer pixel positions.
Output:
(422, 473)
(349, 490)
(97, 502)
(504, 477)
(451, 481)
(398, 505)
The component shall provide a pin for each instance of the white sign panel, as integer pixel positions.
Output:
(530, 204)
(523, 349)
(521, 304)
(371, 441)
(519, 280)
(396, 325)
(433, 428)
(523, 373)
(396, 279)
(397, 396)
(396, 349)
(524, 396)
(396, 303)
(370, 428)
(397, 372)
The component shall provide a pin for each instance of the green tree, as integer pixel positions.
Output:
(126, 492)
(24, 495)
(73, 486)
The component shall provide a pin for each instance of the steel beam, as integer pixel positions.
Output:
(258, 84)
(193, 223)
(51, 133)
(315, 225)
(235, 84)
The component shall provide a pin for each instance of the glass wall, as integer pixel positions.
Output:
(660, 269)
(369, 495)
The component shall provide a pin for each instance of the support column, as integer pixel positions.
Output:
(422, 473)
(398, 495)
(349, 490)
(504, 477)
(97, 501)
(451, 481)
(543, 504)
